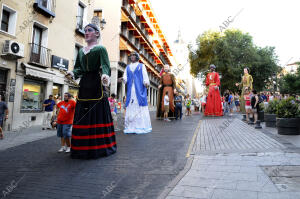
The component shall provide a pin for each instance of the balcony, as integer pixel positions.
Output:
(39, 55)
(79, 25)
(45, 7)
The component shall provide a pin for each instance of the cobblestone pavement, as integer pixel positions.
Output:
(235, 161)
(23, 136)
(141, 168)
(231, 134)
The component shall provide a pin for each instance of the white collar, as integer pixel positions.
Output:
(86, 51)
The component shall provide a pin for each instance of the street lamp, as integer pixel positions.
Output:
(102, 24)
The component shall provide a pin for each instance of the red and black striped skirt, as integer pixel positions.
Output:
(93, 134)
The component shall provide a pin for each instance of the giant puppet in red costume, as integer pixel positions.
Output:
(213, 104)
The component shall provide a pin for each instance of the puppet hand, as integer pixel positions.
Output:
(70, 75)
(105, 80)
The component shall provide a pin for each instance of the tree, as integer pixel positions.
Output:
(231, 52)
(290, 83)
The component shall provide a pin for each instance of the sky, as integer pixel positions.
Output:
(270, 23)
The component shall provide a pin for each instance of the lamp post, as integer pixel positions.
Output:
(102, 23)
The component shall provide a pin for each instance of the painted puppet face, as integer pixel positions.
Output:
(90, 34)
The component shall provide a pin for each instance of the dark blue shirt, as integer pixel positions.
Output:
(178, 100)
(49, 108)
(3, 107)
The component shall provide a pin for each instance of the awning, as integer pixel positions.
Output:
(38, 72)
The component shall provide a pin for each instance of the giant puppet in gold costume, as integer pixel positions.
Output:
(167, 83)
(246, 83)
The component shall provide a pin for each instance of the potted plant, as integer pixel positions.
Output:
(270, 113)
(288, 117)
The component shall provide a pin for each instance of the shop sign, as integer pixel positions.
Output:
(59, 63)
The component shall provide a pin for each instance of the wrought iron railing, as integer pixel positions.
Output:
(40, 55)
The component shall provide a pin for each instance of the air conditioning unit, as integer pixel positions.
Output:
(13, 49)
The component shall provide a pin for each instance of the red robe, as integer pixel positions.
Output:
(213, 103)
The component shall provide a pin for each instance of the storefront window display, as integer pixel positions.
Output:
(73, 92)
(32, 98)
(56, 90)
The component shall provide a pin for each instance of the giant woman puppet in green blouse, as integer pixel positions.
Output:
(93, 134)
(246, 83)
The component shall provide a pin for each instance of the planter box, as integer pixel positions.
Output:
(288, 126)
(261, 116)
(270, 120)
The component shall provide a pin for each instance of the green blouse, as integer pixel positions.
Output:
(92, 61)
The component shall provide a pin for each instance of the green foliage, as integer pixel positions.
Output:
(290, 83)
(231, 52)
(288, 108)
(261, 107)
(272, 107)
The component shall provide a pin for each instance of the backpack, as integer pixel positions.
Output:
(260, 99)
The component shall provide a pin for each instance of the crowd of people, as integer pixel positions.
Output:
(86, 127)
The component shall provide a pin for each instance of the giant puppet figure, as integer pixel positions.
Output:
(246, 83)
(213, 104)
(137, 117)
(93, 133)
(167, 83)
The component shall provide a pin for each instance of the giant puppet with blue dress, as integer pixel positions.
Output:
(137, 117)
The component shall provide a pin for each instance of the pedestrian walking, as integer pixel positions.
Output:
(137, 118)
(49, 105)
(203, 103)
(255, 105)
(188, 103)
(166, 106)
(112, 104)
(247, 100)
(196, 105)
(124, 105)
(93, 133)
(178, 106)
(226, 102)
(64, 122)
(231, 103)
(237, 102)
(3, 115)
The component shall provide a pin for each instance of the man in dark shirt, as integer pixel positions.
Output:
(49, 105)
(178, 105)
(3, 115)
(226, 102)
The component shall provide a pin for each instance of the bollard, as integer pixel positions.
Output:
(258, 126)
(244, 117)
(251, 120)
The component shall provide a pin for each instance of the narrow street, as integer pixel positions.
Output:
(141, 168)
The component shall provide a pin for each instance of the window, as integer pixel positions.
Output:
(5, 21)
(8, 20)
(45, 7)
(77, 48)
(39, 54)
(32, 98)
(98, 13)
(80, 16)
(45, 3)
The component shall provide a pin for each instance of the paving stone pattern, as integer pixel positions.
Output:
(235, 176)
(231, 135)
